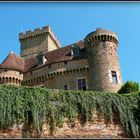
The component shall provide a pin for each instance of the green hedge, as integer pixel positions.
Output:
(38, 105)
(128, 87)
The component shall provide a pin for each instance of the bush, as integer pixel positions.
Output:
(129, 87)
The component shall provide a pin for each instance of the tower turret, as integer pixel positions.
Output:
(104, 67)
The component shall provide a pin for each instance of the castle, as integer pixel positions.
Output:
(89, 64)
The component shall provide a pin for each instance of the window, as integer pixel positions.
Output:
(114, 77)
(40, 60)
(30, 72)
(82, 84)
(75, 50)
(66, 87)
(65, 62)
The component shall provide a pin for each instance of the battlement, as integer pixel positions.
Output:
(102, 35)
(38, 32)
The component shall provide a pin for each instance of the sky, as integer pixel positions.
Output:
(71, 22)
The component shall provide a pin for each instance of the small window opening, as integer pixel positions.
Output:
(114, 77)
(65, 62)
(66, 87)
(40, 60)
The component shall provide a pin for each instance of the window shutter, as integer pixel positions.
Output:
(71, 52)
(118, 77)
(110, 77)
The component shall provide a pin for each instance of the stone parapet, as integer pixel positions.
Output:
(38, 32)
(101, 35)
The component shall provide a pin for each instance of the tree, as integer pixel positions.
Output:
(129, 87)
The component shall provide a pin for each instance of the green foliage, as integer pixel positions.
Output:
(38, 105)
(129, 87)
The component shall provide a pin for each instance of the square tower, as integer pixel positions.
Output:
(40, 40)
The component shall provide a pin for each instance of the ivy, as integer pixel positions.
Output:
(38, 105)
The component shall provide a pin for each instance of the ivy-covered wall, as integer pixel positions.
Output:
(33, 107)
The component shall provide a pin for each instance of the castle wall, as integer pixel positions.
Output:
(59, 74)
(32, 46)
(10, 76)
(59, 81)
(97, 128)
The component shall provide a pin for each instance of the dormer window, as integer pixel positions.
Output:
(75, 50)
(65, 62)
(41, 59)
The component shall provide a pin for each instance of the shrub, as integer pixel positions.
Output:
(129, 87)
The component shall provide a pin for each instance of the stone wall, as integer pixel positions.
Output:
(10, 76)
(32, 46)
(51, 43)
(97, 128)
(59, 74)
(70, 79)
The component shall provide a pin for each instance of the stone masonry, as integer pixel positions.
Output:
(97, 128)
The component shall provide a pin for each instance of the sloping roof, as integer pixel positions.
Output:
(62, 54)
(14, 62)
(30, 63)
(59, 55)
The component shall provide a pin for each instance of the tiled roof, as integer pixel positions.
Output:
(58, 55)
(13, 61)
(30, 63)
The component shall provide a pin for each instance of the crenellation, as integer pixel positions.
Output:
(33, 33)
(40, 39)
(39, 31)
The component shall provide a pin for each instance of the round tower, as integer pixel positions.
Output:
(104, 67)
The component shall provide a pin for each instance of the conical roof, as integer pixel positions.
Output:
(14, 62)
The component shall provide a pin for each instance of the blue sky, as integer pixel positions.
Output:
(72, 21)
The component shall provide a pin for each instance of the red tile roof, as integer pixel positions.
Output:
(14, 62)
(58, 55)
(30, 63)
